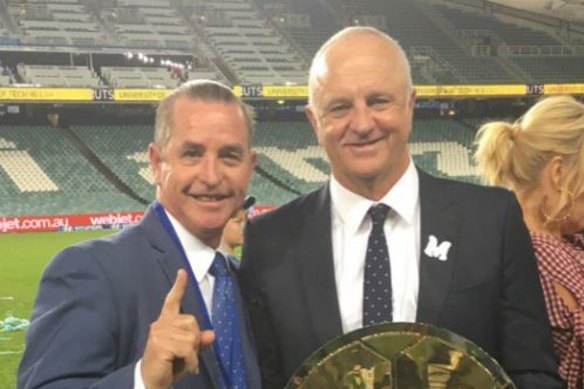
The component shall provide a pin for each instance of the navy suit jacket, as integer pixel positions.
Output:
(93, 311)
(487, 290)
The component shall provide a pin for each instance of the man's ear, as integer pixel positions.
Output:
(313, 119)
(155, 159)
(412, 99)
(253, 160)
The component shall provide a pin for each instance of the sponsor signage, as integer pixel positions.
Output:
(86, 221)
(103, 94)
(559, 89)
(470, 90)
(275, 92)
(138, 95)
(45, 94)
(68, 222)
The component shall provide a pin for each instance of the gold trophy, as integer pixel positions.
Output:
(400, 356)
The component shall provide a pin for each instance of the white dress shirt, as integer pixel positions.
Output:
(350, 232)
(200, 257)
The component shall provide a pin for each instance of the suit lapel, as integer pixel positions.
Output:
(315, 264)
(170, 260)
(440, 218)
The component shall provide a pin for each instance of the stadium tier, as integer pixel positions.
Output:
(272, 42)
(123, 149)
(41, 172)
(59, 76)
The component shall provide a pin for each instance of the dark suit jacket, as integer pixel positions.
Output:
(487, 290)
(93, 311)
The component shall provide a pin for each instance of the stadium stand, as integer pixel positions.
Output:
(553, 69)
(148, 24)
(289, 163)
(444, 148)
(40, 162)
(42, 173)
(60, 22)
(271, 42)
(416, 26)
(139, 77)
(288, 152)
(498, 31)
(124, 150)
(306, 22)
(58, 76)
(254, 50)
(5, 77)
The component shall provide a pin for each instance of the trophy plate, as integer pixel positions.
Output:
(400, 356)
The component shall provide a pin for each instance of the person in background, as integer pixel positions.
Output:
(541, 158)
(233, 231)
(155, 306)
(385, 241)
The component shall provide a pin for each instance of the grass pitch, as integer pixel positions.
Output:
(22, 260)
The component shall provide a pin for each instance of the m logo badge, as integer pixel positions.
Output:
(435, 250)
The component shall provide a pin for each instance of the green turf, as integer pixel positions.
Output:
(22, 260)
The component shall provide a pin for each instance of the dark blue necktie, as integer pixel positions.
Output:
(226, 325)
(377, 304)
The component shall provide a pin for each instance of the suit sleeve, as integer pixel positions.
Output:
(525, 341)
(72, 340)
(253, 292)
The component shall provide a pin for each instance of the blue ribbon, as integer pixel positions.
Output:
(205, 323)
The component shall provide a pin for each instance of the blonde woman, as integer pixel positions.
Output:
(541, 158)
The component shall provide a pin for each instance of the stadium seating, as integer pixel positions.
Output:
(5, 80)
(61, 22)
(59, 76)
(320, 24)
(498, 30)
(267, 42)
(42, 173)
(253, 49)
(553, 69)
(149, 24)
(444, 148)
(413, 28)
(124, 150)
(139, 77)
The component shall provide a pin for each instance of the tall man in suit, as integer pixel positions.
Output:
(384, 241)
(137, 309)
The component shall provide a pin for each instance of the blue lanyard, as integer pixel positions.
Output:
(206, 320)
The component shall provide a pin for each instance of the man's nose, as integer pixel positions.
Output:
(211, 173)
(362, 120)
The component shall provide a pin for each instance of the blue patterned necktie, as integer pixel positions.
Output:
(226, 325)
(377, 304)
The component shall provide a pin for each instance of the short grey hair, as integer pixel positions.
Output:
(354, 31)
(204, 90)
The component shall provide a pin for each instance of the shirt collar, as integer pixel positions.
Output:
(402, 198)
(200, 255)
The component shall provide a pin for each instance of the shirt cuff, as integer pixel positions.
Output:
(138, 382)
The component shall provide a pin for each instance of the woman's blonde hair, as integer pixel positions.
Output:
(513, 154)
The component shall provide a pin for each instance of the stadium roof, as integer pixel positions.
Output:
(565, 9)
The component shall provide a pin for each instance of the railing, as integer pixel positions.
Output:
(438, 63)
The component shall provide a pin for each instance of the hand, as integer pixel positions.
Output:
(174, 341)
